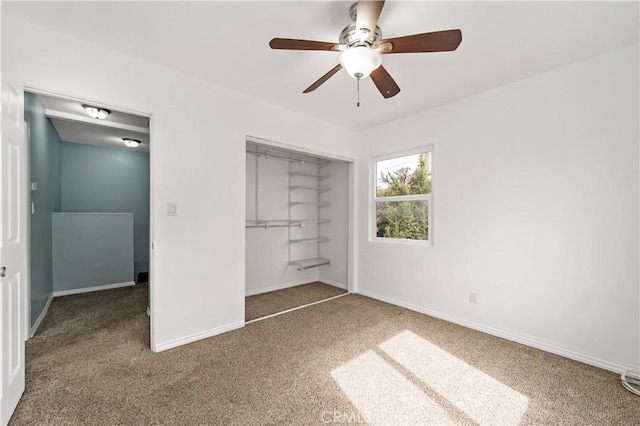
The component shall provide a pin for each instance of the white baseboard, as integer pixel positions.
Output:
(275, 287)
(36, 324)
(514, 337)
(90, 289)
(197, 336)
(333, 283)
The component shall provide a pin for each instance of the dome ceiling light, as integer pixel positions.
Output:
(96, 112)
(131, 143)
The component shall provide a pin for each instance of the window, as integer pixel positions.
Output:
(402, 198)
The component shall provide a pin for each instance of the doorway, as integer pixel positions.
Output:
(89, 196)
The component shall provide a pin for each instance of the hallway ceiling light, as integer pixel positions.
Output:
(96, 112)
(131, 143)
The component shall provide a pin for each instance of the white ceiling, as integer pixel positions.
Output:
(74, 125)
(226, 43)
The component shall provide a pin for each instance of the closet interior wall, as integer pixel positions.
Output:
(337, 230)
(295, 210)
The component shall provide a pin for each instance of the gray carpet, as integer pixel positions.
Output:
(350, 359)
(264, 304)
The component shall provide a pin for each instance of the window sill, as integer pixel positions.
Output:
(419, 243)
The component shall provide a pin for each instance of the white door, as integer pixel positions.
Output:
(12, 245)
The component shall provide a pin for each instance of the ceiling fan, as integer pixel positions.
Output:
(362, 46)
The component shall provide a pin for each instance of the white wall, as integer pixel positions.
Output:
(337, 230)
(535, 209)
(198, 161)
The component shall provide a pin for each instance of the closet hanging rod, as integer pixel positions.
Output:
(303, 267)
(267, 155)
(274, 223)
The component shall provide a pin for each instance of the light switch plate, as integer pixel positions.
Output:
(172, 209)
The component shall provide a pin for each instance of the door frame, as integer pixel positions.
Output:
(27, 242)
(26, 221)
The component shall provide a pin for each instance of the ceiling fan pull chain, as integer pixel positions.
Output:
(358, 85)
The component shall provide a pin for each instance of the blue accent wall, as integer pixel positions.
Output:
(91, 249)
(44, 154)
(108, 180)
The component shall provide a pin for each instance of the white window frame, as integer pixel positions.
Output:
(374, 199)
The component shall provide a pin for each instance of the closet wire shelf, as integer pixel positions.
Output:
(310, 188)
(319, 178)
(282, 223)
(313, 262)
(309, 240)
(297, 186)
(305, 203)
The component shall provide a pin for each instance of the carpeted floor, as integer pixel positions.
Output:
(264, 304)
(349, 360)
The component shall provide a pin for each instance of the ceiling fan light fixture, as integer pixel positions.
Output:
(360, 61)
(96, 112)
(131, 143)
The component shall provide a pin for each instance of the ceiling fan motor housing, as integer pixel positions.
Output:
(351, 36)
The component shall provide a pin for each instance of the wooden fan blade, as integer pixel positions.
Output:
(322, 79)
(367, 15)
(385, 84)
(294, 44)
(439, 41)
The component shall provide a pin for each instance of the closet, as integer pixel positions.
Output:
(296, 219)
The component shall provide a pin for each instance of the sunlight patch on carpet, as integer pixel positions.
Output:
(478, 395)
(383, 395)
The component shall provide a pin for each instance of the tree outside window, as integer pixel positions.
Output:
(402, 197)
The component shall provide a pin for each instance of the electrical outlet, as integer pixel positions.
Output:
(473, 297)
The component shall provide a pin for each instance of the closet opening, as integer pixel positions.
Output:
(297, 229)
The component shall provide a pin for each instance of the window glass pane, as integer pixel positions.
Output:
(402, 219)
(407, 175)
